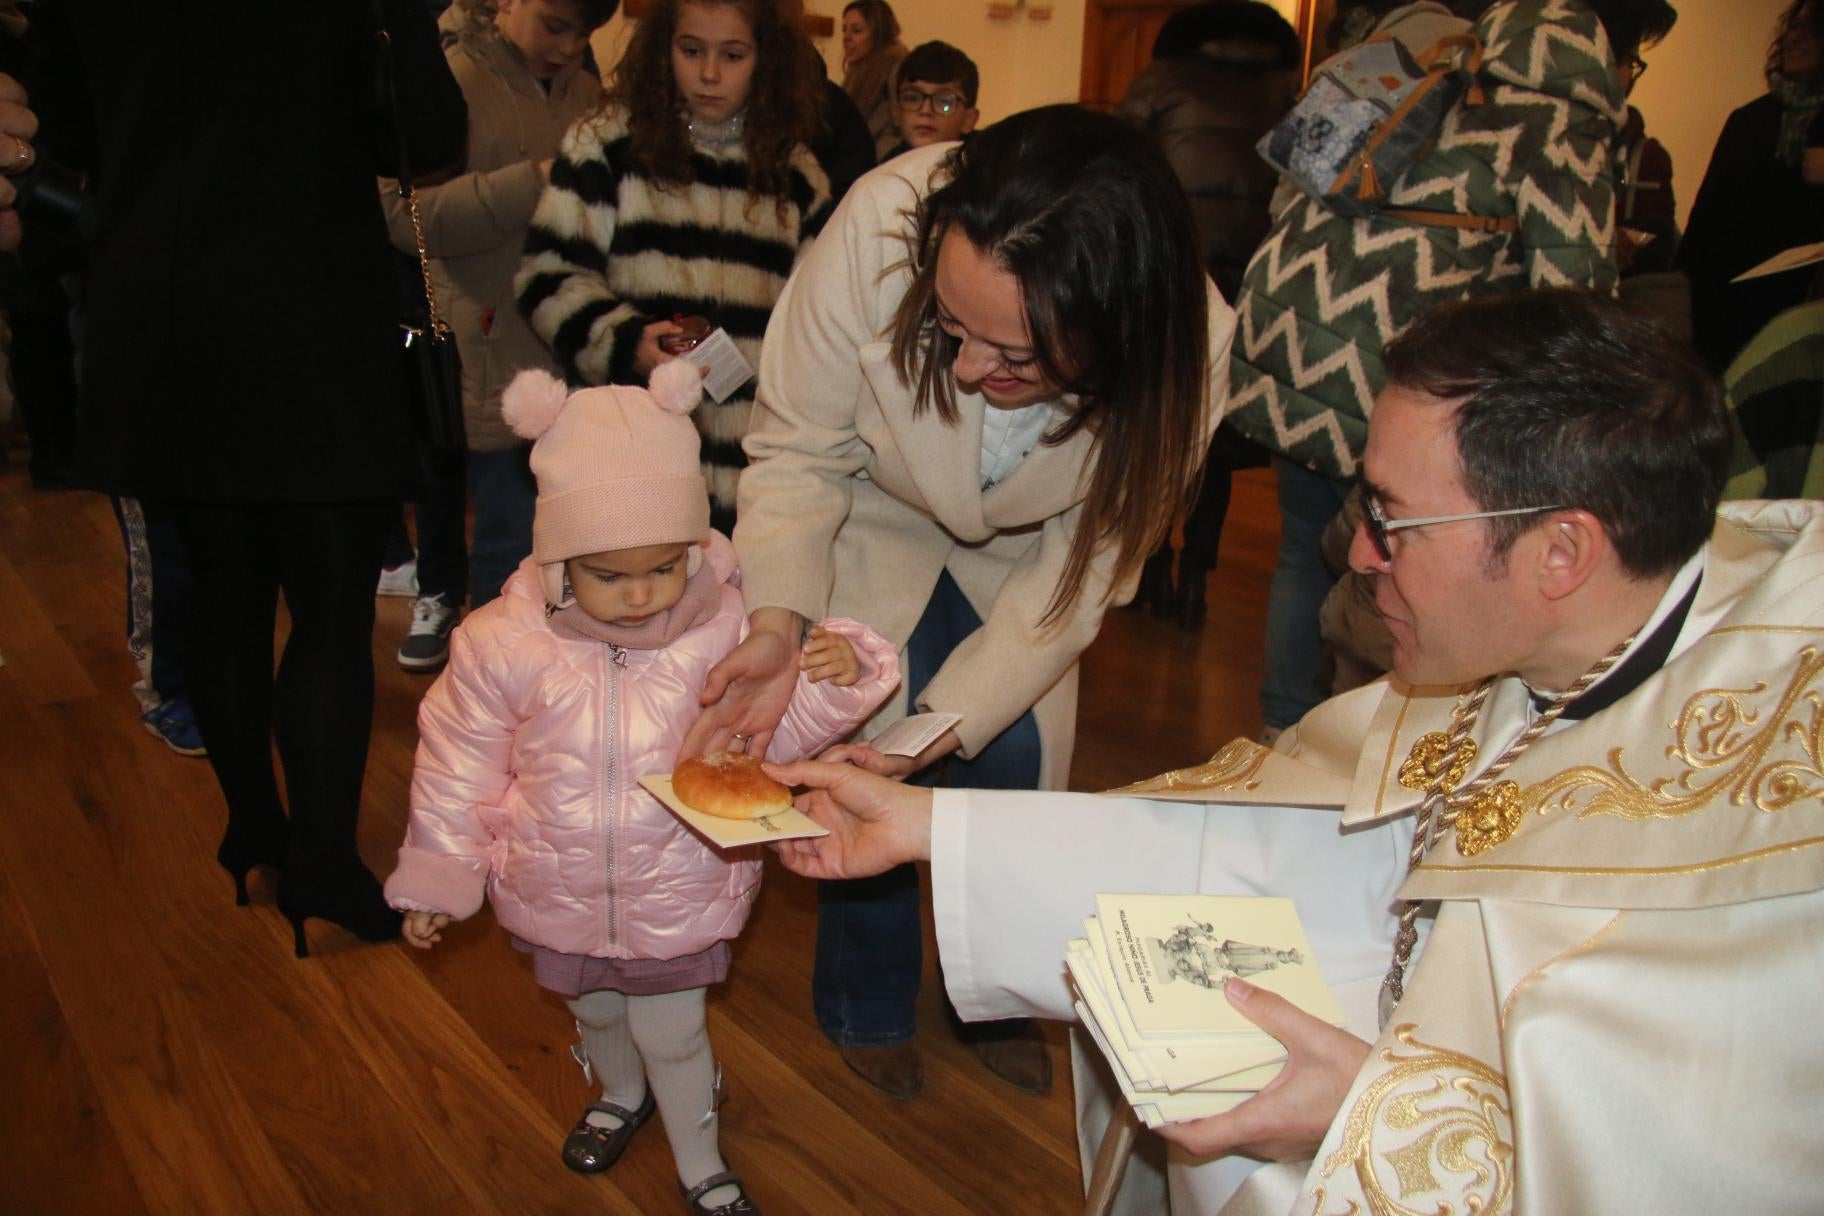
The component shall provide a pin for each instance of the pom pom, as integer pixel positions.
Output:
(532, 401)
(677, 386)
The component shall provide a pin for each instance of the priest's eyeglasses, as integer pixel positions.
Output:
(914, 100)
(1380, 528)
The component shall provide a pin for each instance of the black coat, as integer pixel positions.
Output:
(1206, 111)
(1750, 207)
(844, 146)
(241, 308)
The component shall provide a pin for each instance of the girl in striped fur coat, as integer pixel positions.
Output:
(689, 192)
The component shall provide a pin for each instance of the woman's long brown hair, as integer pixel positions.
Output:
(1091, 221)
(784, 102)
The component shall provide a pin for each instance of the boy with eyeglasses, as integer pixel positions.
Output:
(935, 100)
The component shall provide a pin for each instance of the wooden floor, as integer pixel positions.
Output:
(162, 1052)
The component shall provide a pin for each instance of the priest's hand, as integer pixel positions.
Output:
(1287, 1120)
(875, 823)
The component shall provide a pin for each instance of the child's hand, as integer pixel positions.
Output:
(828, 656)
(649, 354)
(421, 928)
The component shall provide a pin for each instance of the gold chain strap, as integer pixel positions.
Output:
(1443, 807)
(436, 325)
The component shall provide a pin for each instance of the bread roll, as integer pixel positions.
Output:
(729, 785)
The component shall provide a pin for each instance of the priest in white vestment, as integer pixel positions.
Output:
(1605, 729)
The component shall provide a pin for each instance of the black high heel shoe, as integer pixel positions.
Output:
(1190, 600)
(346, 894)
(242, 849)
(1155, 590)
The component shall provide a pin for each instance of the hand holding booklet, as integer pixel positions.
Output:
(1149, 976)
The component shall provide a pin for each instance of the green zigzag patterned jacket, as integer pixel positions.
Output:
(1324, 294)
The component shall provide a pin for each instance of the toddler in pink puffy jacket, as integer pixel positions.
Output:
(580, 679)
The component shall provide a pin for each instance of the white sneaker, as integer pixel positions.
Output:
(427, 642)
(400, 580)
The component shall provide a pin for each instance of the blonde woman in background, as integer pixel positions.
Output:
(871, 54)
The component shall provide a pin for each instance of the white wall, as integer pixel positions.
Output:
(1710, 65)
(1023, 62)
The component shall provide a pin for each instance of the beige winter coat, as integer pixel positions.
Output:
(853, 504)
(475, 224)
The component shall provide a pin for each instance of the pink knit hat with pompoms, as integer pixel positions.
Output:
(617, 467)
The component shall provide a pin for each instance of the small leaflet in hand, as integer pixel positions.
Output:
(910, 736)
(724, 369)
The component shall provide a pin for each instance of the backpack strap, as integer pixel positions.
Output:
(1451, 219)
(1471, 66)
(1436, 68)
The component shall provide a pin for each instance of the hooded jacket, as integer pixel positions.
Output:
(1206, 110)
(475, 224)
(1325, 293)
(526, 784)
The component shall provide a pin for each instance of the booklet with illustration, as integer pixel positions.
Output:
(1170, 955)
(1149, 974)
(1240, 1064)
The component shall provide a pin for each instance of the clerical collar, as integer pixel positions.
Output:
(1647, 657)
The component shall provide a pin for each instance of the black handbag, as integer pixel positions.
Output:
(427, 346)
(433, 369)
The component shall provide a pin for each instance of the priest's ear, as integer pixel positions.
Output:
(1570, 549)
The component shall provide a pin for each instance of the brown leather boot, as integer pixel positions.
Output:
(1014, 1051)
(896, 1069)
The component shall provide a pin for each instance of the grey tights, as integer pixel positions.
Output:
(662, 1041)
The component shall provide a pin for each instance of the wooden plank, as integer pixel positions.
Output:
(64, 1156)
(468, 1114)
(61, 872)
(189, 1136)
(38, 664)
(789, 1138)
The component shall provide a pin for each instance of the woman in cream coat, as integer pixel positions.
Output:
(977, 487)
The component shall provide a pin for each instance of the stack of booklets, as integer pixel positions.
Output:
(1149, 978)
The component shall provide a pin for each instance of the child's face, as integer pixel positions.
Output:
(712, 56)
(549, 34)
(625, 586)
(919, 110)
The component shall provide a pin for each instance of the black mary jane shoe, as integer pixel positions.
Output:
(740, 1205)
(589, 1149)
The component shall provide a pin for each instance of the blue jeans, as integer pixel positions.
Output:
(870, 947)
(504, 492)
(1295, 650)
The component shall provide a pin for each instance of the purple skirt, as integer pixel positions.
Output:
(571, 975)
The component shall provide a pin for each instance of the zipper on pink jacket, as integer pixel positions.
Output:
(616, 660)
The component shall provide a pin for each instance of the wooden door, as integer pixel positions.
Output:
(1117, 44)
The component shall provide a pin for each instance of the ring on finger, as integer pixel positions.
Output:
(25, 155)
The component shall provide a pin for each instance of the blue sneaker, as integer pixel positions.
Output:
(174, 722)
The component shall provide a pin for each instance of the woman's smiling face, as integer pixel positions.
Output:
(981, 305)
